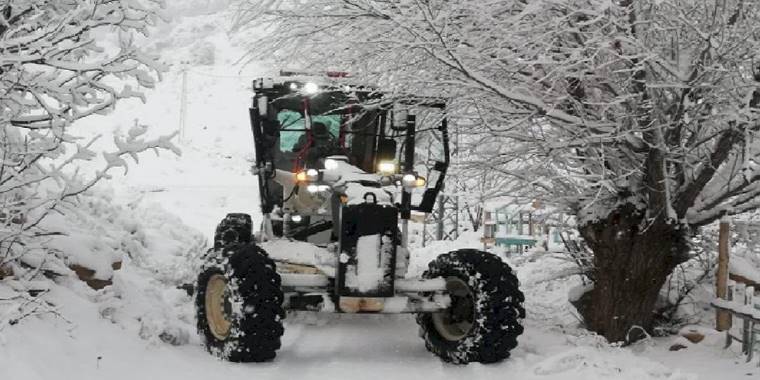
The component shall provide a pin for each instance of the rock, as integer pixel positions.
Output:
(88, 275)
(693, 336)
(116, 265)
(677, 347)
(83, 273)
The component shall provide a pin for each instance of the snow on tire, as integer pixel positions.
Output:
(234, 228)
(484, 319)
(239, 304)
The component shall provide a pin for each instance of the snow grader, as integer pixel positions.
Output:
(341, 168)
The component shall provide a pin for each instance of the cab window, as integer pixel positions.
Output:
(292, 127)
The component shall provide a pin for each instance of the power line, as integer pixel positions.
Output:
(215, 75)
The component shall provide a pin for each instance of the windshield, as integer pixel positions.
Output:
(293, 128)
(331, 125)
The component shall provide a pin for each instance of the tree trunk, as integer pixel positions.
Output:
(632, 260)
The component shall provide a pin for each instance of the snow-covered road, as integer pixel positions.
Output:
(103, 341)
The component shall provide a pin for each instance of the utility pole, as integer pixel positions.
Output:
(183, 105)
(723, 318)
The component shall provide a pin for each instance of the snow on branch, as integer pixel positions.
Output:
(60, 62)
(588, 104)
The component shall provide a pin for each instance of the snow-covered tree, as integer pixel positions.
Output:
(639, 116)
(61, 61)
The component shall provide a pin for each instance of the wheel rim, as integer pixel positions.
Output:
(216, 303)
(456, 322)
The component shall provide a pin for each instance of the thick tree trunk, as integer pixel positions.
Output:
(632, 260)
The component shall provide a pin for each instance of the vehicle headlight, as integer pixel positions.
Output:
(409, 180)
(317, 188)
(312, 175)
(310, 88)
(386, 167)
(301, 176)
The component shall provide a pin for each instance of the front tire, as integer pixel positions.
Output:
(234, 228)
(239, 304)
(484, 319)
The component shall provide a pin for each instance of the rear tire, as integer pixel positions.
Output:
(239, 304)
(234, 228)
(484, 320)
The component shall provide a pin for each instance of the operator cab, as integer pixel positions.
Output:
(298, 124)
(306, 127)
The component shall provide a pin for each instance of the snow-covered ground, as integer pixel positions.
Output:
(142, 327)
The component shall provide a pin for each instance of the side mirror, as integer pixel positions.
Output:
(386, 150)
(435, 184)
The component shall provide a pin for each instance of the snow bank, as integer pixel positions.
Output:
(158, 253)
(741, 266)
(98, 234)
(420, 257)
(599, 363)
(578, 291)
